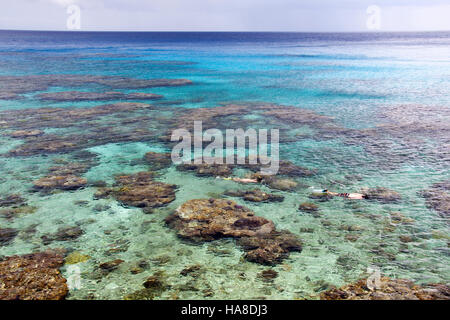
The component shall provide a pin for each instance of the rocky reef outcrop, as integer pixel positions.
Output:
(32, 83)
(154, 286)
(96, 96)
(83, 127)
(140, 190)
(63, 234)
(12, 200)
(255, 195)
(7, 235)
(111, 265)
(381, 194)
(276, 182)
(66, 176)
(13, 205)
(215, 168)
(308, 207)
(270, 248)
(438, 198)
(33, 277)
(211, 219)
(67, 182)
(157, 161)
(26, 133)
(220, 167)
(388, 289)
(285, 168)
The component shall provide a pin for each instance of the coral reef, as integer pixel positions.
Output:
(217, 168)
(271, 248)
(12, 200)
(76, 257)
(111, 265)
(191, 270)
(389, 289)
(120, 122)
(7, 235)
(26, 133)
(276, 183)
(210, 219)
(381, 194)
(9, 96)
(32, 83)
(64, 177)
(438, 198)
(255, 195)
(268, 275)
(33, 277)
(154, 286)
(158, 161)
(63, 234)
(399, 218)
(96, 96)
(308, 207)
(68, 182)
(140, 190)
(14, 212)
(285, 168)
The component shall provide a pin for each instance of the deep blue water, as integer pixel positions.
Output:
(354, 72)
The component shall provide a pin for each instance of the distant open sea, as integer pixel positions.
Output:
(386, 97)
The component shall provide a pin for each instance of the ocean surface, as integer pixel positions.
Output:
(387, 95)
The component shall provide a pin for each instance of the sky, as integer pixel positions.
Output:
(226, 15)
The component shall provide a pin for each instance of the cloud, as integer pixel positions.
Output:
(64, 3)
(226, 15)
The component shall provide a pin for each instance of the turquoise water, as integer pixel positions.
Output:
(372, 84)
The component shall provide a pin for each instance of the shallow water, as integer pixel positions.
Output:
(360, 80)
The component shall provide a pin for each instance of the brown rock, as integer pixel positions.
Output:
(209, 219)
(276, 183)
(7, 235)
(255, 195)
(406, 239)
(111, 265)
(438, 198)
(63, 234)
(351, 237)
(96, 96)
(268, 275)
(140, 190)
(26, 133)
(208, 170)
(205, 220)
(153, 282)
(389, 289)
(191, 270)
(381, 194)
(308, 207)
(13, 200)
(270, 249)
(158, 161)
(69, 182)
(33, 277)
(399, 218)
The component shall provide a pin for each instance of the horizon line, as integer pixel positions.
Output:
(213, 31)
